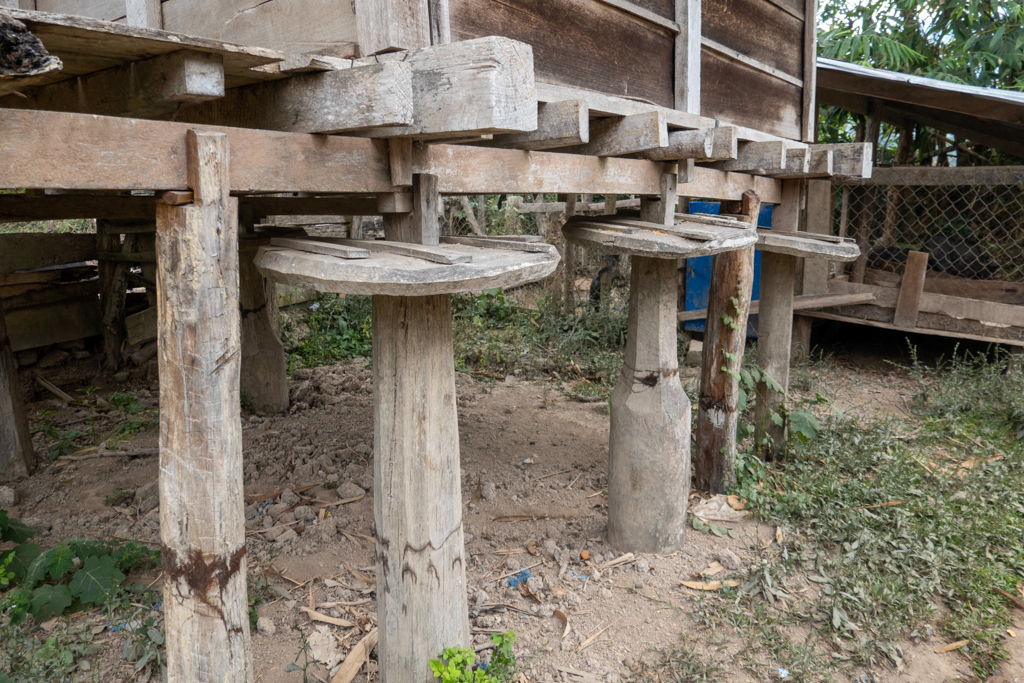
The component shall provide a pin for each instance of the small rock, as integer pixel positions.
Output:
(303, 374)
(489, 491)
(628, 662)
(304, 513)
(544, 611)
(350, 490)
(550, 548)
(122, 376)
(729, 560)
(290, 498)
(38, 523)
(535, 584)
(147, 496)
(286, 535)
(26, 358)
(54, 358)
(278, 509)
(365, 480)
(266, 626)
(8, 497)
(362, 449)
(642, 566)
(605, 593)
(481, 599)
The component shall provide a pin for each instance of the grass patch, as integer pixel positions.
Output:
(895, 527)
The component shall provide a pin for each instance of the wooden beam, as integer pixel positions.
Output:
(687, 64)
(144, 13)
(400, 158)
(19, 208)
(849, 159)
(800, 303)
(817, 219)
(908, 305)
(757, 65)
(389, 25)
(440, 22)
(113, 283)
(487, 88)
(756, 157)
(807, 163)
(702, 144)
(420, 224)
(202, 524)
(394, 202)
(775, 324)
(710, 183)
(624, 135)
(17, 455)
(146, 89)
(475, 170)
(263, 377)
(645, 14)
(809, 110)
(131, 154)
(329, 102)
(559, 124)
(23, 251)
(940, 176)
(609, 105)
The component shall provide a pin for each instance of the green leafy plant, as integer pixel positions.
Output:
(308, 660)
(456, 664)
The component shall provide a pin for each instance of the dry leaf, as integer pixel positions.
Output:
(525, 591)
(952, 646)
(621, 559)
(355, 659)
(715, 568)
(479, 491)
(780, 535)
(565, 620)
(708, 585)
(558, 592)
(533, 548)
(736, 503)
(1011, 633)
(368, 580)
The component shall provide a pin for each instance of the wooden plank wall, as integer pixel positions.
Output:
(581, 43)
(756, 80)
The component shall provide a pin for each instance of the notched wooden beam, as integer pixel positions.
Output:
(619, 136)
(807, 163)
(760, 158)
(476, 86)
(328, 102)
(559, 124)
(144, 89)
(850, 159)
(701, 144)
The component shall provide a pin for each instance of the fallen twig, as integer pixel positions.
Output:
(317, 616)
(52, 388)
(1009, 596)
(879, 505)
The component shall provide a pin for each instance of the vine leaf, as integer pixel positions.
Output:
(49, 601)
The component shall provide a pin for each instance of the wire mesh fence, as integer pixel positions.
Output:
(970, 222)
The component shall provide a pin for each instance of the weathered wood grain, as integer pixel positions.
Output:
(709, 183)
(202, 524)
(760, 158)
(725, 95)
(579, 43)
(393, 25)
(687, 57)
(908, 304)
(800, 303)
(328, 102)
(23, 251)
(724, 338)
(477, 87)
(852, 159)
(263, 377)
(17, 456)
(113, 278)
(758, 29)
(422, 606)
(702, 144)
(559, 124)
(624, 135)
(131, 154)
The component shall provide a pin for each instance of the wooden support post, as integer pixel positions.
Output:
(264, 376)
(569, 253)
(775, 324)
(17, 456)
(202, 524)
(419, 225)
(908, 305)
(417, 500)
(649, 446)
(113, 284)
(732, 276)
(817, 220)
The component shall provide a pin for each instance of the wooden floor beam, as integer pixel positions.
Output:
(17, 456)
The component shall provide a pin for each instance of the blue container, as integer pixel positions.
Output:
(698, 272)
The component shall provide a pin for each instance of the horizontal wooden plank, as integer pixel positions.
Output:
(559, 124)
(26, 250)
(581, 43)
(739, 95)
(30, 328)
(757, 30)
(738, 56)
(141, 327)
(476, 170)
(800, 303)
(710, 183)
(47, 294)
(986, 312)
(623, 135)
(927, 323)
(601, 104)
(329, 102)
(702, 144)
(939, 176)
(762, 158)
(299, 26)
(104, 153)
(642, 12)
(850, 159)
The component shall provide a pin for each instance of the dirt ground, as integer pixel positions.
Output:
(526, 452)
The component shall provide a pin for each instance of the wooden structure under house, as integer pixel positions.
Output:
(185, 127)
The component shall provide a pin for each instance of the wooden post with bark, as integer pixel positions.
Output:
(113, 284)
(264, 377)
(775, 324)
(569, 252)
(649, 446)
(16, 453)
(417, 498)
(725, 335)
(202, 523)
